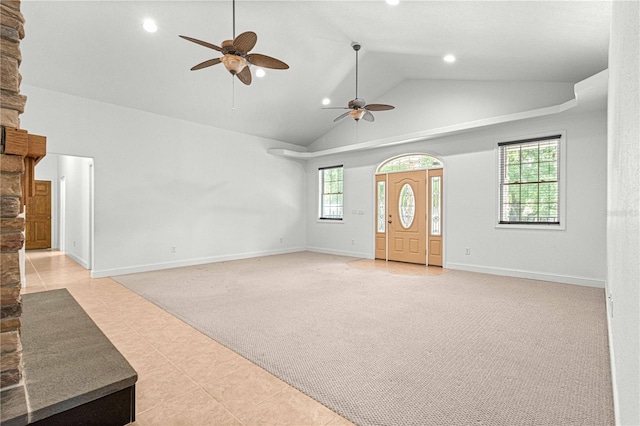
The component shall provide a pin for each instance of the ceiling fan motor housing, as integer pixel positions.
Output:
(357, 103)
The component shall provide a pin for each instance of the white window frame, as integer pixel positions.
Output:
(562, 185)
(320, 217)
(402, 156)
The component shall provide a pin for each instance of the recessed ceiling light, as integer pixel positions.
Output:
(449, 58)
(326, 101)
(392, 2)
(150, 26)
(260, 72)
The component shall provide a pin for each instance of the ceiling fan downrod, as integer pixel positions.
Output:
(356, 46)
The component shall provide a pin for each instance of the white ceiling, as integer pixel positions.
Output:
(98, 50)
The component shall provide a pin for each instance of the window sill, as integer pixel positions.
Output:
(532, 227)
(336, 221)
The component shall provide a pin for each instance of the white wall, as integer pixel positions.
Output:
(161, 183)
(431, 104)
(77, 174)
(623, 215)
(575, 255)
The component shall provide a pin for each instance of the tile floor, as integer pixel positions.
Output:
(397, 268)
(184, 377)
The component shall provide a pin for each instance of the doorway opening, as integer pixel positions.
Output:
(409, 194)
(71, 209)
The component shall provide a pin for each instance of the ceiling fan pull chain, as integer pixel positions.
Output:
(233, 93)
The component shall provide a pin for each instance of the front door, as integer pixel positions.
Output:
(38, 217)
(406, 213)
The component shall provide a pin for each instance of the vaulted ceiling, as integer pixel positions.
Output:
(99, 50)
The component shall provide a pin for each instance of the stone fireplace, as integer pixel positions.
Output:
(19, 153)
(11, 168)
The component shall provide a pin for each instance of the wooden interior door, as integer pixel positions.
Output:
(406, 213)
(434, 219)
(38, 217)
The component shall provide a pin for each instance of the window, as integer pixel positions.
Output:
(331, 193)
(530, 181)
(406, 206)
(436, 205)
(409, 162)
(381, 206)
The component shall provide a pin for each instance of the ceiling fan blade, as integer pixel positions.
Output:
(335, 108)
(368, 116)
(341, 116)
(206, 64)
(202, 43)
(245, 42)
(245, 76)
(378, 107)
(265, 61)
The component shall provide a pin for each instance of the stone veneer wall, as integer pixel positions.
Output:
(11, 170)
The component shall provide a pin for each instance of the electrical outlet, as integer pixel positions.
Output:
(353, 242)
(281, 239)
(467, 251)
(173, 249)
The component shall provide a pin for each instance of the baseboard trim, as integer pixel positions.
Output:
(340, 252)
(188, 262)
(541, 276)
(78, 260)
(567, 279)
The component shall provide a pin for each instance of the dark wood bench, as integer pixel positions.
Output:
(72, 372)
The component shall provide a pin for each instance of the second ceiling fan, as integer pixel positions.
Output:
(358, 108)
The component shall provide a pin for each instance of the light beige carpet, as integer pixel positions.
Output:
(380, 349)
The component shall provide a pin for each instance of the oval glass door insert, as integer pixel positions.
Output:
(406, 205)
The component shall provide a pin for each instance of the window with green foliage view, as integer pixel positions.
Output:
(529, 181)
(331, 193)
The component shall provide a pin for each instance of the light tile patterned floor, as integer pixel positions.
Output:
(184, 377)
(397, 268)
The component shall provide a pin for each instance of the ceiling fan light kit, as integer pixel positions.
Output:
(233, 63)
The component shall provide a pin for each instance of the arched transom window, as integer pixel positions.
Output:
(409, 162)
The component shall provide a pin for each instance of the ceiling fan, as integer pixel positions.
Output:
(235, 54)
(358, 108)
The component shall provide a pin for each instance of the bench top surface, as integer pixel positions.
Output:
(68, 360)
